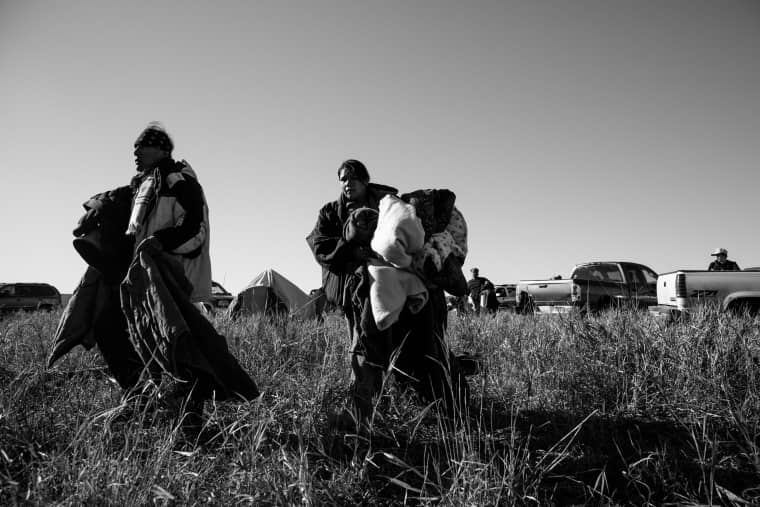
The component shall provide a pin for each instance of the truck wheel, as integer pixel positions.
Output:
(742, 306)
(604, 304)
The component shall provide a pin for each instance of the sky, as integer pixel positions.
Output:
(570, 131)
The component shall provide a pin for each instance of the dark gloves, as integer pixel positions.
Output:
(360, 226)
(363, 253)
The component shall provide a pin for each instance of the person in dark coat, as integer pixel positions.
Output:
(476, 286)
(423, 356)
(721, 262)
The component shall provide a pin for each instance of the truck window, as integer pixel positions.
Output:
(635, 277)
(45, 291)
(611, 273)
(649, 276)
(217, 289)
(24, 291)
(583, 273)
(7, 290)
(601, 272)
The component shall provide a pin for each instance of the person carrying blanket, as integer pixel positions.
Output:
(390, 306)
(145, 312)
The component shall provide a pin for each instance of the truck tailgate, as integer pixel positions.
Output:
(666, 289)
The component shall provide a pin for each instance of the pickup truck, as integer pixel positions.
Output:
(505, 295)
(592, 286)
(28, 296)
(682, 290)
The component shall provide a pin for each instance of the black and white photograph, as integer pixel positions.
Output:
(379, 252)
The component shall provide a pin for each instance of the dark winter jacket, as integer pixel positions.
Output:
(101, 240)
(726, 266)
(331, 250)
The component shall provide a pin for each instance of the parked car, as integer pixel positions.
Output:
(220, 297)
(682, 290)
(505, 294)
(592, 286)
(28, 296)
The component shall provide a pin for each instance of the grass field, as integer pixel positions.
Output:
(612, 409)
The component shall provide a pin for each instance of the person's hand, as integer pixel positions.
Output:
(86, 223)
(363, 253)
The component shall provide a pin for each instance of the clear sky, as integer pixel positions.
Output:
(569, 130)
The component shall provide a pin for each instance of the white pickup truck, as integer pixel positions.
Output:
(682, 290)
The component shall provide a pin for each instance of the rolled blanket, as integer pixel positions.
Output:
(399, 234)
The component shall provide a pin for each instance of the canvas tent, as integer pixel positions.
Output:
(270, 292)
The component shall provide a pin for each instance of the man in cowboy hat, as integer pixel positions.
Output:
(721, 262)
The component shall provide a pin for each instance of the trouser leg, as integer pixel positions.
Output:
(112, 337)
(474, 303)
(454, 374)
(425, 355)
(420, 356)
(367, 364)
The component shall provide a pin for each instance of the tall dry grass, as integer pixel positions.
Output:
(616, 408)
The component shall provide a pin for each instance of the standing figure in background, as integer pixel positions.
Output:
(721, 262)
(479, 289)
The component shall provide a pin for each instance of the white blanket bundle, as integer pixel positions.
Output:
(398, 237)
(399, 234)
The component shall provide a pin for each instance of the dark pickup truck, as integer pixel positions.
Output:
(592, 286)
(28, 296)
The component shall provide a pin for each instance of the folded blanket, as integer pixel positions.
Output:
(77, 325)
(390, 290)
(399, 234)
